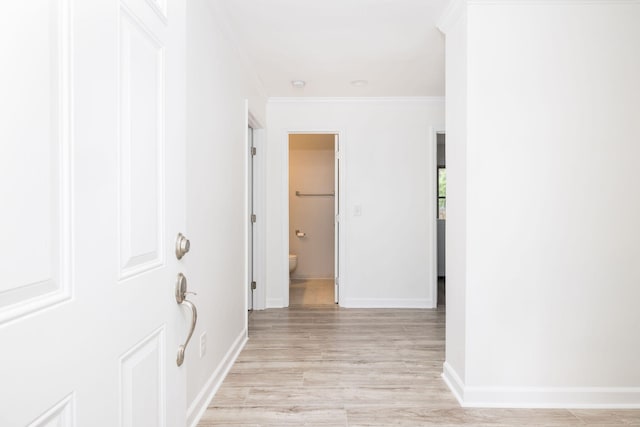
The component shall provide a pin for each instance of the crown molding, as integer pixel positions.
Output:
(437, 100)
(450, 15)
(552, 2)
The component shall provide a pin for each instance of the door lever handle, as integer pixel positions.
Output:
(183, 347)
(181, 298)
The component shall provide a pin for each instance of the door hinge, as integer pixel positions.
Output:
(338, 218)
(254, 218)
(253, 285)
(253, 151)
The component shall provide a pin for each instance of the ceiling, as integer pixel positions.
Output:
(392, 44)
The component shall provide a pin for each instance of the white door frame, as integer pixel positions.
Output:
(340, 198)
(259, 228)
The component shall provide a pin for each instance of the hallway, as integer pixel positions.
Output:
(349, 367)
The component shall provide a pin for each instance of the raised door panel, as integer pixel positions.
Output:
(142, 383)
(60, 415)
(141, 147)
(34, 158)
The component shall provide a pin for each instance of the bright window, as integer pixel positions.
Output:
(442, 193)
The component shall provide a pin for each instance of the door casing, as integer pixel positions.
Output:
(257, 190)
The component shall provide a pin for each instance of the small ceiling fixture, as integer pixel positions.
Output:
(298, 83)
(359, 83)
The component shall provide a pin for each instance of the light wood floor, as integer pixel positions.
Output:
(311, 292)
(328, 366)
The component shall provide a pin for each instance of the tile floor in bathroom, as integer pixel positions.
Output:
(311, 292)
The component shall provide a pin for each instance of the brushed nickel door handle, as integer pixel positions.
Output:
(181, 298)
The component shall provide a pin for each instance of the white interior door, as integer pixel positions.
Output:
(252, 219)
(336, 239)
(92, 186)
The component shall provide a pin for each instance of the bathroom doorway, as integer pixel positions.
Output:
(313, 219)
(441, 205)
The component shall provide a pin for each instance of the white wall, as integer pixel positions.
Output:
(552, 240)
(311, 170)
(217, 86)
(388, 158)
(456, 157)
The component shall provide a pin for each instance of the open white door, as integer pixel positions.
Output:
(92, 186)
(336, 239)
(251, 216)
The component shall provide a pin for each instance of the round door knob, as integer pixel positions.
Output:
(182, 246)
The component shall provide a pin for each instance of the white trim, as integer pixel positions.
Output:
(260, 227)
(387, 303)
(259, 249)
(252, 121)
(284, 224)
(450, 15)
(201, 402)
(540, 397)
(552, 2)
(391, 99)
(552, 397)
(275, 302)
(62, 413)
(249, 250)
(453, 381)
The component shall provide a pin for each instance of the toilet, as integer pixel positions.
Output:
(293, 262)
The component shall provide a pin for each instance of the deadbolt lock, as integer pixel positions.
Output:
(182, 246)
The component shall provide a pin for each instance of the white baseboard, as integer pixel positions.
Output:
(453, 381)
(275, 303)
(200, 403)
(387, 303)
(540, 397)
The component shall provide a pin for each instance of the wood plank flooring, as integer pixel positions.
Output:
(328, 366)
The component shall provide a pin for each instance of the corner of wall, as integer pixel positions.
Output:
(453, 381)
(201, 402)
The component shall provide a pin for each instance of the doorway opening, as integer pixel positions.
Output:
(313, 219)
(441, 206)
